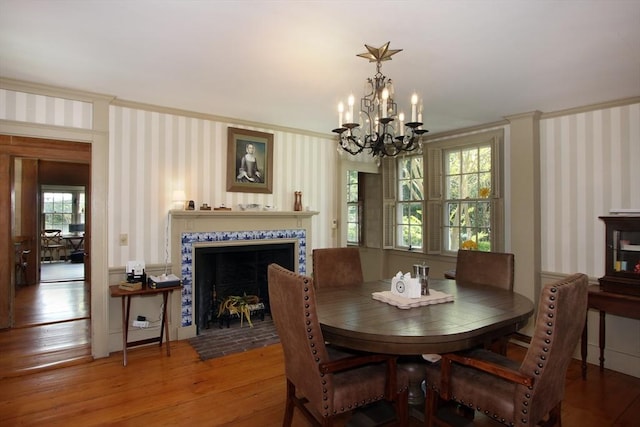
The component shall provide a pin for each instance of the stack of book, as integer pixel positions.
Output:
(136, 286)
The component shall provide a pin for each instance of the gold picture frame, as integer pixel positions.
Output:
(249, 161)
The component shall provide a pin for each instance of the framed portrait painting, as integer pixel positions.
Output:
(249, 161)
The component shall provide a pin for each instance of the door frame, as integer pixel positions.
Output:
(98, 137)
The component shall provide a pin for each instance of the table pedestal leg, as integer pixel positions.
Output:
(416, 371)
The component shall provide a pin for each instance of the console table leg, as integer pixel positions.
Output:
(125, 327)
(583, 347)
(165, 321)
(602, 339)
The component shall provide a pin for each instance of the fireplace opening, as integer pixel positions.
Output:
(235, 270)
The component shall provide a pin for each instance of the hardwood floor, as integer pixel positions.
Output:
(51, 303)
(241, 390)
(47, 377)
(51, 328)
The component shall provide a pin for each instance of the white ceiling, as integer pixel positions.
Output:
(289, 63)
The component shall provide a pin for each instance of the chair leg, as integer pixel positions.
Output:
(402, 407)
(555, 417)
(430, 407)
(289, 405)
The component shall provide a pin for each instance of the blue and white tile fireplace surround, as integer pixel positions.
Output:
(194, 229)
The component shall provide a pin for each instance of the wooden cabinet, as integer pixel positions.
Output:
(622, 264)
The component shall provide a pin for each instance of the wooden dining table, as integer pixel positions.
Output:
(351, 318)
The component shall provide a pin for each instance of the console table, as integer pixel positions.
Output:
(612, 303)
(126, 300)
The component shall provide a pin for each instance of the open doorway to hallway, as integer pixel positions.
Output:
(49, 319)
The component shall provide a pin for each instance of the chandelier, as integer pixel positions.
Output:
(379, 127)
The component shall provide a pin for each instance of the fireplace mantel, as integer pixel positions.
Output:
(190, 229)
(182, 214)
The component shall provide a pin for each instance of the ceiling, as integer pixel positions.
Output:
(289, 63)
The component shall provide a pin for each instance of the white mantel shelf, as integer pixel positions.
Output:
(182, 214)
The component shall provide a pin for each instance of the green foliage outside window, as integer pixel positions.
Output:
(353, 209)
(410, 202)
(468, 191)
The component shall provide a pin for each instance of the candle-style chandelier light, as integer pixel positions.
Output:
(379, 127)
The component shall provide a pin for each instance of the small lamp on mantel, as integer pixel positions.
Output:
(178, 199)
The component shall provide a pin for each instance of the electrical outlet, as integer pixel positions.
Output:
(140, 324)
(124, 239)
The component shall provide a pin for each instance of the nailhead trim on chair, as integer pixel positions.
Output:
(527, 396)
(314, 350)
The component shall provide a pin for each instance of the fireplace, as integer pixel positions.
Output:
(193, 231)
(222, 271)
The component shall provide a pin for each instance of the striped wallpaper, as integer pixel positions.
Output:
(151, 154)
(590, 164)
(45, 110)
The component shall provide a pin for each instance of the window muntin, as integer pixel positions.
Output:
(467, 204)
(354, 209)
(410, 202)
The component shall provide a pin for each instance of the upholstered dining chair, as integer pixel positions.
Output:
(322, 381)
(491, 269)
(337, 267)
(485, 268)
(517, 394)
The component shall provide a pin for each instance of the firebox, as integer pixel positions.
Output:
(235, 270)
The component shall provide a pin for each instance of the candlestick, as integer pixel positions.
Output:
(385, 96)
(414, 103)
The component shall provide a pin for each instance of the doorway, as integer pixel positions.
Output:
(62, 212)
(49, 320)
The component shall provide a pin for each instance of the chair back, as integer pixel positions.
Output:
(292, 300)
(337, 267)
(51, 237)
(485, 268)
(559, 323)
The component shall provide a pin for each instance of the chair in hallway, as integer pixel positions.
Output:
(322, 381)
(516, 394)
(21, 259)
(51, 242)
(337, 267)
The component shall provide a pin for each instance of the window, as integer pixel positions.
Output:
(354, 209)
(465, 193)
(410, 202)
(60, 208)
(461, 197)
(467, 207)
(57, 210)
